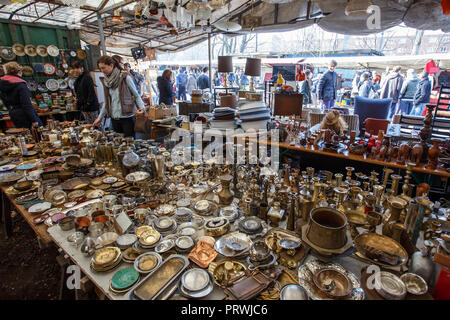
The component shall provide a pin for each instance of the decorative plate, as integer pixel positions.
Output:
(42, 50)
(38, 67)
(118, 184)
(7, 167)
(32, 85)
(27, 71)
(71, 82)
(52, 84)
(7, 54)
(62, 84)
(53, 50)
(49, 69)
(60, 72)
(124, 278)
(73, 54)
(137, 176)
(94, 194)
(26, 167)
(40, 207)
(30, 50)
(110, 180)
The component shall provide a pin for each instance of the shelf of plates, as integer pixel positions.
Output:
(65, 41)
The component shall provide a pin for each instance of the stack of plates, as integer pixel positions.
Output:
(166, 225)
(106, 259)
(148, 239)
(224, 118)
(196, 283)
(123, 280)
(254, 115)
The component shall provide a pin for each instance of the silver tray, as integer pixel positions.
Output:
(221, 247)
(306, 273)
(133, 296)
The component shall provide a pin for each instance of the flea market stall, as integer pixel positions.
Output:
(238, 199)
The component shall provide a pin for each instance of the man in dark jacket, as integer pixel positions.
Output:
(203, 80)
(391, 88)
(422, 96)
(327, 87)
(87, 101)
(17, 98)
(138, 78)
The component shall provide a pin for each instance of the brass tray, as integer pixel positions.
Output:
(282, 234)
(383, 243)
(76, 183)
(219, 269)
(160, 278)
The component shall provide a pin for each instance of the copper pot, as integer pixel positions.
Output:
(327, 228)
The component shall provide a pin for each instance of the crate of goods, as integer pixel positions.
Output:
(161, 113)
(185, 108)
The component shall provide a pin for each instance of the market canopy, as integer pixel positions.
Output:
(192, 21)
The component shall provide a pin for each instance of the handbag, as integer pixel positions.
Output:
(143, 123)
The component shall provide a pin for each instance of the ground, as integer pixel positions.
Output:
(26, 271)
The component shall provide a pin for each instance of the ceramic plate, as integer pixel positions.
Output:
(7, 167)
(137, 176)
(110, 180)
(49, 69)
(26, 167)
(118, 184)
(40, 207)
(62, 84)
(53, 50)
(124, 278)
(52, 84)
(95, 194)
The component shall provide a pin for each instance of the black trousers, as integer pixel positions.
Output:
(124, 125)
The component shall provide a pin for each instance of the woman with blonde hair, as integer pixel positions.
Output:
(17, 97)
(165, 87)
(334, 122)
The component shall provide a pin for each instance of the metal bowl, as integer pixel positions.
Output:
(414, 283)
(23, 185)
(333, 283)
(184, 243)
(195, 279)
(259, 251)
(67, 223)
(390, 287)
(293, 292)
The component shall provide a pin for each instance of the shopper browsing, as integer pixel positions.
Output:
(16, 96)
(422, 96)
(87, 102)
(121, 97)
(165, 87)
(327, 87)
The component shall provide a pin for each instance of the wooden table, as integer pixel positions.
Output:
(360, 158)
(8, 203)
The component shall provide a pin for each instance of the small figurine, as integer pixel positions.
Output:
(416, 153)
(403, 153)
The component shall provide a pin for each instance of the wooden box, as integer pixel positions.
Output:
(156, 114)
(287, 104)
(184, 108)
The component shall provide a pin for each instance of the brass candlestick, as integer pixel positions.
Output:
(349, 173)
(387, 172)
(338, 177)
(395, 181)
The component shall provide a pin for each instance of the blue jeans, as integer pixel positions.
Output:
(406, 106)
(393, 109)
(418, 110)
(327, 105)
(182, 93)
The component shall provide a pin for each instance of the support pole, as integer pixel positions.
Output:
(209, 63)
(102, 35)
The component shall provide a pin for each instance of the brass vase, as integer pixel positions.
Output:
(226, 195)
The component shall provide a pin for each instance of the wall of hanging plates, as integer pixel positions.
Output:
(46, 54)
